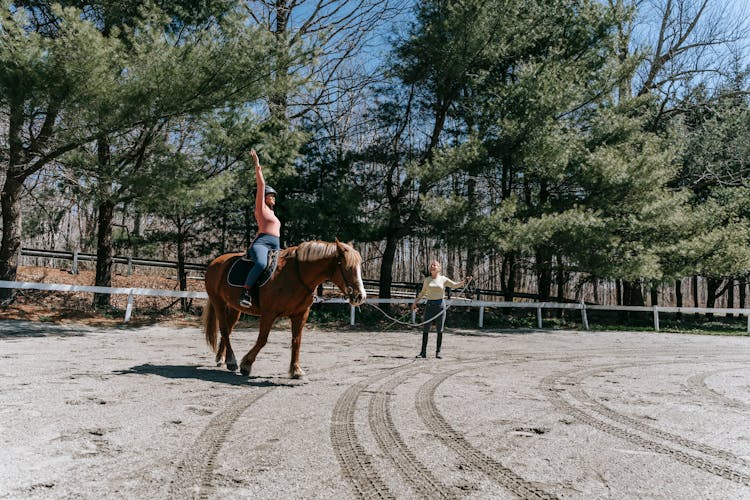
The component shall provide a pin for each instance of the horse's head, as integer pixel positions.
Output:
(348, 273)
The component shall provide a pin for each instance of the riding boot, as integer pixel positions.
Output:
(423, 352)
(246, 300)
(439, 343)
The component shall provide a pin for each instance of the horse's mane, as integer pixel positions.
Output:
(317, 250)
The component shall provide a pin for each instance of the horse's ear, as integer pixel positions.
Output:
(341, 247)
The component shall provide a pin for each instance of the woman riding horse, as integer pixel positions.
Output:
(269, 231)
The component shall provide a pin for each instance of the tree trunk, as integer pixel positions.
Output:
(743, 296)
(560, 284)
(730, 296)
(595, 286)
(712, 287)
(632, 295)
(386, 268)
(181, 274)
(508, 276)
(471, 252)
(678, 295)
(696, 302)
(104, 252)
(10, 201)
(654, 296)
(544, 274)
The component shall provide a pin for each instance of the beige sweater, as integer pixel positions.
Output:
(434, 289)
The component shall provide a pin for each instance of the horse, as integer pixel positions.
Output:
(288, 293)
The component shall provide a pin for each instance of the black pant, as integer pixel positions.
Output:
(433, 308)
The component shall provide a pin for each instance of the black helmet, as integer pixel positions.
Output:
(270, 190)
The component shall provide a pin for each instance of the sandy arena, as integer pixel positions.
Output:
(143, 413)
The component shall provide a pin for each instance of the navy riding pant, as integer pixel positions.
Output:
(258, 252)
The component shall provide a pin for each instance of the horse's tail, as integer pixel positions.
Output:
(210, 324)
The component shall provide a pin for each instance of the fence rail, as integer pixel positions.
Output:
(482, 305)
(76, 257)
(402, 287)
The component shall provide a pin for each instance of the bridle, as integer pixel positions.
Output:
(339, 264)
(338, 267)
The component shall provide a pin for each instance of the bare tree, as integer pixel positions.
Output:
(332, 32)
(684, 42)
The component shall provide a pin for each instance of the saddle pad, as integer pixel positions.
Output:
(241, 268)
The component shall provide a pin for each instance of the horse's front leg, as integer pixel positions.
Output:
(298, 323)
(247, 361)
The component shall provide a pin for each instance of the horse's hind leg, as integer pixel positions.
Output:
(298, 323)
(230, 319)
(247, 361)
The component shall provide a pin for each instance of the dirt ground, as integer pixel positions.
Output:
(143, 412)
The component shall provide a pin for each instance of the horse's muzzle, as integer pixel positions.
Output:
(356, 298)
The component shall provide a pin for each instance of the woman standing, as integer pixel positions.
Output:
(269, 230)
(434, 289)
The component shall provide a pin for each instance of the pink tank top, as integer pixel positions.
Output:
(268, 223)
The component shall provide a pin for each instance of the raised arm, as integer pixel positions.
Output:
(455, 284)
(260, 182)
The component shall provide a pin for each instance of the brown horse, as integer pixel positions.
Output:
(289, 293)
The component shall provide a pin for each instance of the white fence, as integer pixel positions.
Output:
(482, 305)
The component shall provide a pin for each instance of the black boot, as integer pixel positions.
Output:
(423, 352)
(439, 344)
(246, 300)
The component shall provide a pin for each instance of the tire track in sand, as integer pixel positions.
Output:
(475, 458)
(416, 474)
(196, 470)
(356, 464)
(556, 385)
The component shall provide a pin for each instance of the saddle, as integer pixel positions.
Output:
(241, 266)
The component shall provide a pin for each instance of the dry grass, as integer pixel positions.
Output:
(76, 307)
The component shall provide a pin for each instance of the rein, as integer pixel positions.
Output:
(397, 320)
(299, 277)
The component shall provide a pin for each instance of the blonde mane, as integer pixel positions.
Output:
(318, 250)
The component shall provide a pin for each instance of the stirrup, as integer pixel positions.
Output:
(246, 300)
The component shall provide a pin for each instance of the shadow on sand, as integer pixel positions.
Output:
(206, 374)
(19, 329)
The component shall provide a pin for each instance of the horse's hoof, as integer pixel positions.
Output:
(219, 363)
(298, 375)
(244, 371)
(232, 367)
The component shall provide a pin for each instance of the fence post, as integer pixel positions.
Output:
(129, 308)
(656, 318)
(584, 317)
(130, 266)
(74, 269)
(539, 316)
(351, 314)
(414, 317)
(481, 316)
(748, 324)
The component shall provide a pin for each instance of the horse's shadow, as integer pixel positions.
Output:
(202, 373)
